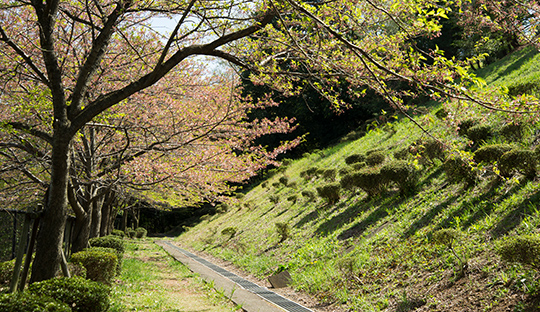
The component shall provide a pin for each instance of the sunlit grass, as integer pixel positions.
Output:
(152, 281)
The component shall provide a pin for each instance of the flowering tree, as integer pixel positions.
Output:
(145, 145)
(518, 20)
(369, 44)
(65, 63)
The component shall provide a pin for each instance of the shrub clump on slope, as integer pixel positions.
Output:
(330, 192)
(518, 160)
(459, 169)
(524, 249)
(491, 153)
(368, 179)
(402, 173)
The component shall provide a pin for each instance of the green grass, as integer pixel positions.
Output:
(152, 281)
(377, 253)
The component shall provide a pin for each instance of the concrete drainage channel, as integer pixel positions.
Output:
(250, 296)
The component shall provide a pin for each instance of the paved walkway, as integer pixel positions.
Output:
(250, 296)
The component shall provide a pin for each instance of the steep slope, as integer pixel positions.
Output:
(426, 243)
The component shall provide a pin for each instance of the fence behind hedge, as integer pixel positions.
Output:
(11, 225)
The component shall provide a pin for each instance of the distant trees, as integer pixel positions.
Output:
(315, 118)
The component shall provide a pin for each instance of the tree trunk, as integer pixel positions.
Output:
(51, 232)
(82, 233)
(123, 226)
(105, 215)
(96, 216)
(83, 210)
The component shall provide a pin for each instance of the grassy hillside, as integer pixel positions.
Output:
(426, 243)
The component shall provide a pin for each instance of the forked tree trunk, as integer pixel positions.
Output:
(80, 203)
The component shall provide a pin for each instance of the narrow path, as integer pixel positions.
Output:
(250, 296)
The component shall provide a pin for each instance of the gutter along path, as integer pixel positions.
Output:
(250, 296)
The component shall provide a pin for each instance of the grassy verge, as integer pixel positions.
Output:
(152, 281)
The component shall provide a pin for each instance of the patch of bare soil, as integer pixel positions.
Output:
(473, 291)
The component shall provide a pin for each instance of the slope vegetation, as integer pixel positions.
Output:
(397, 221)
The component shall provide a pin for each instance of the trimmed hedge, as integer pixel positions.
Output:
(491, 153)
(80, 294)
(100, 263)
(29, 302)
(118, 233)
(131, 232)
(6, 271)
(402, 173)
(111, 241)
(140, 232)
(518, 160)
(524, 249)
(330, 192)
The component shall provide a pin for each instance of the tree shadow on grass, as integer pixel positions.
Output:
(426, 219)
(356, 230)
(516, 216)
(316, 214)
(307, 218)
(337, 221)
(359, 228)
(523, 57)
(481, 207)
(427, 180)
